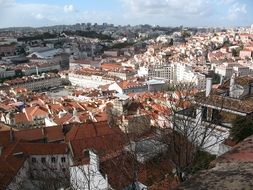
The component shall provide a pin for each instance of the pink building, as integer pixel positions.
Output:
(245, 53)
(7, 50)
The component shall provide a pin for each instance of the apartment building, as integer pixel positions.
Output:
(43, 81)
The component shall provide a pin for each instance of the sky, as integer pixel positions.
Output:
(197, 13)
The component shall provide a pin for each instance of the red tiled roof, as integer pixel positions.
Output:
(4, 137)
(29, 134)
(9, 167)
(56, 107)
(44, 149)
(54, 134)
(51, 134)
(11, 164)
(20, 118)
(98, 136)
(62, 120)
(34, 111)
(81, 131)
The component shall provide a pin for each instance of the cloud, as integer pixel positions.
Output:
(6, 2)
(168, 7)
(157, 12)
(17, 14)
(69, 9)
(39, 16)
(236, 10)
(227, 1)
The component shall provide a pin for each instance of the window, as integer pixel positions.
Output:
(53, 160)
(43, 160)
(63, 159)
(33, 160)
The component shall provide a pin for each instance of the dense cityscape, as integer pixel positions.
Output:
(126, 107)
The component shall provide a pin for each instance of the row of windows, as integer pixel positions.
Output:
(53, 160)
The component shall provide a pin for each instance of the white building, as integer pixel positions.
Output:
(4, 73)
(164, 72)
(36, 82)
(143, 71)
(89, 81)
(184, 74)
(226, 70)
(86, 175)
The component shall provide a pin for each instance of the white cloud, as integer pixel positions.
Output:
(172, 7)
(69, 8)
(34, 14)
(161, 12)
(6, 2)
(236, 10)
(39, 16)
(227, 1)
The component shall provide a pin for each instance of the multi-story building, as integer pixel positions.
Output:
(216, 109)
(6, 73)
(112, 53)
(80, 64)
(41, 68)
(36, 82)
(122, 74)
(226, 70)
(7, 50)
(185, 74)
(90, 79)
(161, 72)
(36, 161)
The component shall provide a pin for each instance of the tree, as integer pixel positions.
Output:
(176, 141)
(235, 52)
(242, 128)
(193, 133)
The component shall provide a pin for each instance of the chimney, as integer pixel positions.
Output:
(208, 86)
(231, 85)
(221, 79)
(37, 71)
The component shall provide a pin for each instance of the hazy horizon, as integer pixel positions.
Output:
(169, 13)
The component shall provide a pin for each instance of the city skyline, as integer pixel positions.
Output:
(37, 13)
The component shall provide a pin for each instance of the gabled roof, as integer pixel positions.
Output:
(90, 130)
(20, 118)
(33, 112)
(44, 149)
(51, 134)
(99, 136)
(63, 120)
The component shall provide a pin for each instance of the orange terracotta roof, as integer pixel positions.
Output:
(29, 134)
(44, 149)
(54, 134)
(20, 118)
(63, 120)
(81, 131)
(51, 134)
(110, 66)
(33, 112)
